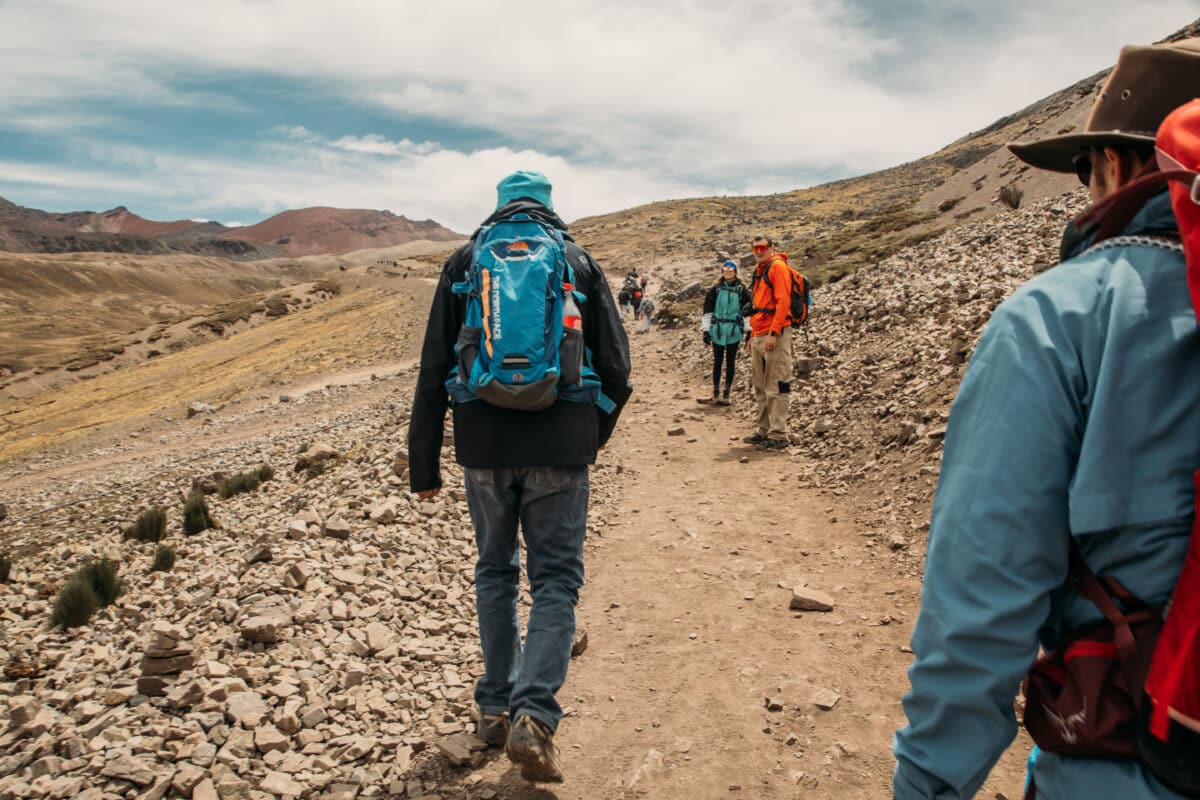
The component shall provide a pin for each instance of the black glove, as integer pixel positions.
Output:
(707, 338)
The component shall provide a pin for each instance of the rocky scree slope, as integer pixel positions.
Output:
(316, 644)
(885, 353)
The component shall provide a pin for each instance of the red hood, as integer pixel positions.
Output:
(1179, 140)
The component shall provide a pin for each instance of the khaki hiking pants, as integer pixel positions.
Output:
(771, 374)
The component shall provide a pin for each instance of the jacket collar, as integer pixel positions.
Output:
(533, 208)
(1141, 210)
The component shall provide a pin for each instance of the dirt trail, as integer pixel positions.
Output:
(685, 607)
(686, 611)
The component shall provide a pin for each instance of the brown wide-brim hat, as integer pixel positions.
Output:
(1147, 84)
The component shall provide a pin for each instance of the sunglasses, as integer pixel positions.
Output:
(1083, 168)
(760, 248)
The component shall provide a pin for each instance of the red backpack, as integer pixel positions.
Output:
(1169, 723)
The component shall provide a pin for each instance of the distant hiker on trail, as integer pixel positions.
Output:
(647, 314)
(625, 300)
(531, 409)
(770, 344)
(723, 326)
(1070, 452)
(632, 290)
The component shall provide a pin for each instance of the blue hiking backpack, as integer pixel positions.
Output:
(521, 345)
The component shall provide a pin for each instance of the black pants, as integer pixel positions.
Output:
(729, 352)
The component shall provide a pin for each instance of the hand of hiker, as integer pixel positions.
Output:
(707, 338)
(428, 494)
(772, 340)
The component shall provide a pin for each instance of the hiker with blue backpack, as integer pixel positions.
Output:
(723, 326)
(1066, 500)
(526, 345)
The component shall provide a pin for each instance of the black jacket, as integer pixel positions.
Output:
(487, 436)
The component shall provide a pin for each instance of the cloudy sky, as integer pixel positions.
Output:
(236, 109)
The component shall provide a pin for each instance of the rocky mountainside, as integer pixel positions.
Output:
(313, 231)
(309, 231)
(880, 360)
(29, 230)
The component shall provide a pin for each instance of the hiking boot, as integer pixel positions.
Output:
(773, 444)
(755, 438)
(491, 728)
(716, 398)
(531, 744)
(725, 401)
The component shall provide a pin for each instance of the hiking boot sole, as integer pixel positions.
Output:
(534, 752)
(539, 774)
(533, 769)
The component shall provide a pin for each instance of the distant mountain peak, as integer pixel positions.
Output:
(317, 230)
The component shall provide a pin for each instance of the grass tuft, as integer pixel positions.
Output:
(102, 577)
(75, 604)
(1011, 196)
(150, 526)
(238, 483)
(164, 558)
(196, 517)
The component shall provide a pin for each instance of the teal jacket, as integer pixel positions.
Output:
(722, 315)
(1079, 415)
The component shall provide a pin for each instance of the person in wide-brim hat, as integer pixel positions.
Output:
(1128, 110)
(1041, 472)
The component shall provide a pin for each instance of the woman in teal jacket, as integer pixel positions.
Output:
(723, 325)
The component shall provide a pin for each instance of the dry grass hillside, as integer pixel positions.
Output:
(58, 308)
(70, 316)
(98, 339)
(361, 329)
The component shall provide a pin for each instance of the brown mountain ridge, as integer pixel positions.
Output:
(307, 231)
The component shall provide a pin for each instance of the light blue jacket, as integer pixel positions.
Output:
(1079, 415)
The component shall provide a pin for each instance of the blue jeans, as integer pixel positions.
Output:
(550, 503)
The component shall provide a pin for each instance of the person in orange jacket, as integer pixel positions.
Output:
(770, 344)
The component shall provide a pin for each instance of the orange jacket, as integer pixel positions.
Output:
(777, 297)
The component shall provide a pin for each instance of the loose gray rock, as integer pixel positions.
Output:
(463, 749)
(337, 528)
(263, 629)
(805, 598)
(128, 768)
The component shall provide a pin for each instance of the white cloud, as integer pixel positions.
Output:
(638, 101)
(455, 188)
(376, 144)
